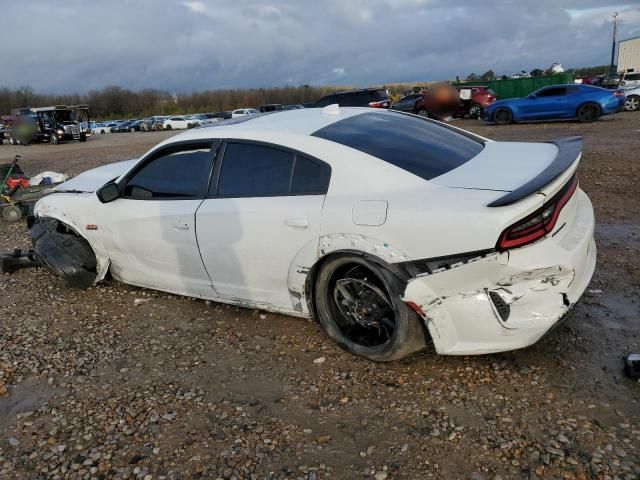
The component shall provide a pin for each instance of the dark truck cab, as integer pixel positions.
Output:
(58, 123)
(62, 123)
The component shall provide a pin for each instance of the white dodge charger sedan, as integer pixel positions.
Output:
(390, 229)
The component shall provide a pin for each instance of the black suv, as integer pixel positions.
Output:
(368, 97)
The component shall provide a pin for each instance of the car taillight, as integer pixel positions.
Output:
(540, 222)
(619, 93)
(382, 104)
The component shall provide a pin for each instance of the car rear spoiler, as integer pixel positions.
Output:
(569, 149)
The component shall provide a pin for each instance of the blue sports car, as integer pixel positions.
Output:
(557, 102)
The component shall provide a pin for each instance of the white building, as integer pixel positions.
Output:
(629, 55)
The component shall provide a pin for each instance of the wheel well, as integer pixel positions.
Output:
(588, 103)
(310, 281)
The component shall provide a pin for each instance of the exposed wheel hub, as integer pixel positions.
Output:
(363, 303)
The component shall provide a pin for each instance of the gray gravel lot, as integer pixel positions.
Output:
(120, 382)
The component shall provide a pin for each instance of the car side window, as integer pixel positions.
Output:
(175, 173)
(253, 170)
(310, 177)
(250, 170)
(552, 92)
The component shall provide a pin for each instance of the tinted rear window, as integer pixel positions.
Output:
(414, 144)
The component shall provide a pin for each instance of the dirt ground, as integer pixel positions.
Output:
(120, 382)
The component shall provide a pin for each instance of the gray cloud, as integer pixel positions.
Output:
(184, 45)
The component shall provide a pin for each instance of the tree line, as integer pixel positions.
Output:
(118, 102)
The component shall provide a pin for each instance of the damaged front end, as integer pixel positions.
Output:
(64, 252)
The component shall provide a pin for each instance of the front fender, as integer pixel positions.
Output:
(57, 206)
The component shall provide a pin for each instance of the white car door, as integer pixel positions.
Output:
(149, 231)
(261, 218)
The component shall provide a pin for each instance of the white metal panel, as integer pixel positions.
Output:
(152, 243)
(629, 55)
(249, 244)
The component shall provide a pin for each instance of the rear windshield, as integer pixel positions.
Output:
(412, 143)
(380, 95)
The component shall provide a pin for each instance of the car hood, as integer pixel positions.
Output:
(91, 180)
(498, 103)
(501, 166)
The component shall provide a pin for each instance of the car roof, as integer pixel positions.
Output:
(297, 122)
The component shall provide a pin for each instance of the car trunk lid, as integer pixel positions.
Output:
(516, 169)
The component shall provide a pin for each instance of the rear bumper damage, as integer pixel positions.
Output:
(509, 300)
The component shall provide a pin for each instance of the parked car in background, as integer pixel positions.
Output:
(366, 97)
(585, 103)
(241, 112)
(135, 126)
(632, 101)
(407, 103)
(125, 126)
(474, 99)
(102, 127)
(272, 107)
(630, 80)
(610, 80)
(386, 264)
(175, 123)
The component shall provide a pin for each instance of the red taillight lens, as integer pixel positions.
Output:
(619, 93)
(382, 104)
(540, 222)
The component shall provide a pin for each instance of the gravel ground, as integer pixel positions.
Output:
(120, 382)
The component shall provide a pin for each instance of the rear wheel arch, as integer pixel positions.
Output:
(588, 104)
(312, 275)
(635, 98)
(409, 333)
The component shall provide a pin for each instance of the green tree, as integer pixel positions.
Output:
(488, 75)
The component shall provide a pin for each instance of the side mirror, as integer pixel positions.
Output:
(108, 192)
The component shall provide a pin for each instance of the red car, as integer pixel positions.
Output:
(474, 100)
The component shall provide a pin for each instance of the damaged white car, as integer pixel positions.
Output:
(390, 229)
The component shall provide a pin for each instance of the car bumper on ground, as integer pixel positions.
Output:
(505, 301)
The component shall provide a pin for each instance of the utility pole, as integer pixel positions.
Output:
(613, 43)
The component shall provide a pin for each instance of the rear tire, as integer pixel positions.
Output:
(423, 112)
(168, 127)
(503, 116)
(588, 113)
(632, 103)
(358, 305)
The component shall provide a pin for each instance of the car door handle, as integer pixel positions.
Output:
(297, 222)
(181, 226)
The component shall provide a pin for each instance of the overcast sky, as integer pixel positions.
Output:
(66, 46)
